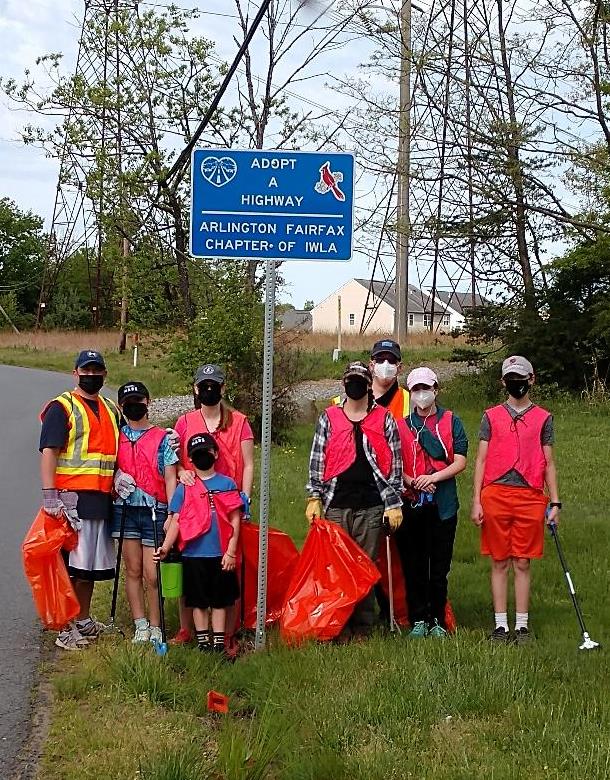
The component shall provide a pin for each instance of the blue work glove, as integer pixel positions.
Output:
(245, 499)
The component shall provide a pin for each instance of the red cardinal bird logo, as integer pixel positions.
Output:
(329, 182)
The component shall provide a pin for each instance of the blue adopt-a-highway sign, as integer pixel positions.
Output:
(256, 204)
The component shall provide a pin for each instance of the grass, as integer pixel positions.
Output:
(316, 350)
(383, 709)
(56, 350)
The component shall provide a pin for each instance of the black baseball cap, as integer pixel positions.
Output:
(211, 372)
(89, 356)
(138, 389)
(387, 345)
(201, 441)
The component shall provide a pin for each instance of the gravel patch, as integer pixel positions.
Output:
(169, 408)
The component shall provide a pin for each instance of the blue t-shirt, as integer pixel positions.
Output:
(208, 544)
(165, 457)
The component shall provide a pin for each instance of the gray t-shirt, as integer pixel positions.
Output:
(547, 437)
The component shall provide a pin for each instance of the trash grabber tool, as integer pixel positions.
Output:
(587, 643)
(388, 551)
(112, 626)
(160, 647)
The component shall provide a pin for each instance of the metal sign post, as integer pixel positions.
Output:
(254, 204)
(263, 536)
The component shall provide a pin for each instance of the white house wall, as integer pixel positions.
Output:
(353, 300)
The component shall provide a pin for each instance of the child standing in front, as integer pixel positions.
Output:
(204, 520)
(145, 479)
(514, 463)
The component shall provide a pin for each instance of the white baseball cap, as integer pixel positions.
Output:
(422, 376)
(517, 364)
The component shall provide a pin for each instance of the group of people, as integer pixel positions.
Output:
(113, 474)
(385, 455)
(382, 455)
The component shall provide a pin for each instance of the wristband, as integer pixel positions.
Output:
(555, 504)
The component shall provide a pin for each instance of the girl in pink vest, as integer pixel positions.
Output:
(205, 521)
(434, 448)
(355, 474)
(235, 440)
(514, 463)
(145, 477)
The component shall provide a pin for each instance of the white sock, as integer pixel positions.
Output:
(501, 619)
(521, 620)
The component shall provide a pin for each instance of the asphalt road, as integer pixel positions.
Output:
(23, 391)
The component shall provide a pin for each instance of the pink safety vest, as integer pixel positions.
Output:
(516, 444)
(416, 462)
(195, 516)
(139, 459)
(341, 445)
(230, 458)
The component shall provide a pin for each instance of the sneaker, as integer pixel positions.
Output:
(437, 631)
(69, 640)
(522, 636)
(500, 635)
(183, 637)
(154, 635)
(142, 634)
(419, 630)
(90, 629)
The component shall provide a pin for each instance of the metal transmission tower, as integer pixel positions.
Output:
(444, 197)
(81, 198)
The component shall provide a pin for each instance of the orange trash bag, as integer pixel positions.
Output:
(333, 574)
(401, 614)
(54, 596)
(282, 558)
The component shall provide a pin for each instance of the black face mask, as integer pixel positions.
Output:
(90, 383)
(135, 410)
(356, 388)
(203, 460)
(517, 387)
(209, 396)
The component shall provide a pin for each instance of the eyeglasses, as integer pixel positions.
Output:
(383, 356)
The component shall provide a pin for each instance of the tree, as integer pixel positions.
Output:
(308, 305)
(21, 255)
(140, 87)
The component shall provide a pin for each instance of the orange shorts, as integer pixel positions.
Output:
(513, 522)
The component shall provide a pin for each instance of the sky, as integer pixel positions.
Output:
(30, 29)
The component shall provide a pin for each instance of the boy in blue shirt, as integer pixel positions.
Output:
(204, 520)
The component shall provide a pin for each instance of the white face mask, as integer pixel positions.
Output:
(423, 398)
(385, 370)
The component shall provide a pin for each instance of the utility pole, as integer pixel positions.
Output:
(403, 223)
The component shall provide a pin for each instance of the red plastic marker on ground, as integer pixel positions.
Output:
(218, 702)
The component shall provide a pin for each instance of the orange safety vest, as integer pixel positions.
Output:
(341, 445)
(399, 405)
(88, 458)
(516, 444)
(195, 515)
(139, 460)
(416, 462)
(230, 458)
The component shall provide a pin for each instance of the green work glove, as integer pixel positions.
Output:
(394, 518)
(314, 509)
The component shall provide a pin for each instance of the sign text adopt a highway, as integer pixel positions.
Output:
(259, 204)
